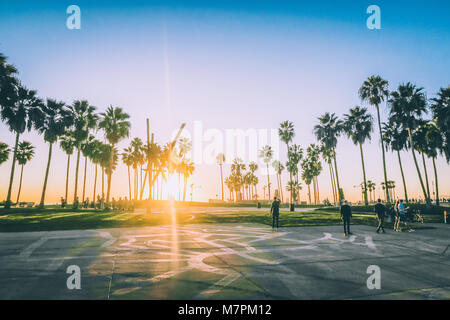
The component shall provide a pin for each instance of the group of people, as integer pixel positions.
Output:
(398, 211)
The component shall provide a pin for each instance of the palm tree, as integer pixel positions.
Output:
(327, 132)
(187, 168)
(4, 152)
(286, 133)
(19, 110)
(434, 141)
(253, 166)
(375, 90)
(96, 158)
(371, 188)
(407, 105)
(84, 120)
(52, 124)
(138, 157)
(220, 159)
(116, 126)
(295, 155)
(421, 145)
(25, 153)
(127, 159)
(87, 148)
(8, 81)
(440, 108)
(358, 125)
(328, 155)
(278, 167)
(67, 143)
(266, 153)
(294, 187)
(396, 139)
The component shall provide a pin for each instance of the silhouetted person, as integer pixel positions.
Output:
(380, 210)
(275, 212)
(346, 214)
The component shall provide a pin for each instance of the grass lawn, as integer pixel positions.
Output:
(22, 220)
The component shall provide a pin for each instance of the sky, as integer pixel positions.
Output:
(226, 65)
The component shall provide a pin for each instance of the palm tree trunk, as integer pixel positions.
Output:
(281, 189)
(268, 179)
(332, 181)
(318, 192)
(11, 178)
(366, 202)
(426, 175)
(417, 166)
(184, 189)
(103, 182)
(46, 175)
(20, 184)
(95, 184)
(67, 177)
(436, 181)
(84, 178)
(221, 179)
(142, 187)
(403, 176)
(76, 178)
(108, 191)
(384, 156)
(337, 179)
(129, 183)
(309, 193)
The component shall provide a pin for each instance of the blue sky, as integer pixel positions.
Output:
(229, 64)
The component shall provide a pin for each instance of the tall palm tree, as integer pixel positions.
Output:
(396, 139)
(84, 120)
(25, 153)
(53, 122)
(220, 159)
(96, 158)
(187, 170)
(295, 155)
(421, 145)
(253, 166)
(266, 154)
(374, 90)
(327, 132)
(67, 143)
(138, 157)
(116, 126)
(127, 159)
(279, 168)
(4, 152)
(328, 155)
(440, 108)
(434, 140)
(87, 148)
(19, 110)
(407, 105)
(286, 133)
(358, 125)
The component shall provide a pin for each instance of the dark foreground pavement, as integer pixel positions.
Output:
(226, 261)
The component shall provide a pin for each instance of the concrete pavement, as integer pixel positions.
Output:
(226, 261)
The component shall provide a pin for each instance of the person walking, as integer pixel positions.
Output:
(275, 212)
(346, 214)
(380, 210)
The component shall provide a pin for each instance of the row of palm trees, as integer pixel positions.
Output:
(22, 110)
(405, 129)
(161, 163)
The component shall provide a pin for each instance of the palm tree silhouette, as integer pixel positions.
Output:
(286, 133)
(4, 152)
(375, 90)
(327, 132)
(116, 126)
(358, 125)
(328, 155)
(421, 145)
(84, 120)
(396, 139)
(96, 158)
(220, 159)
(266, 154)
(19, 110)
(434, 140)
(253, 166)
(127, 159)
(187, 169)
(53, 122)
(25, 153)
(87, 148)
(407, 105)
(440, 108)
(8, 82)
(67, 143)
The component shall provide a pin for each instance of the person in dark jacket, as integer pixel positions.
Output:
(380, 209)
(275, 211)
(346, 214)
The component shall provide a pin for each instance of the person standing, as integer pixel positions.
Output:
(346, 214)
(380, 210)
(275, 212)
